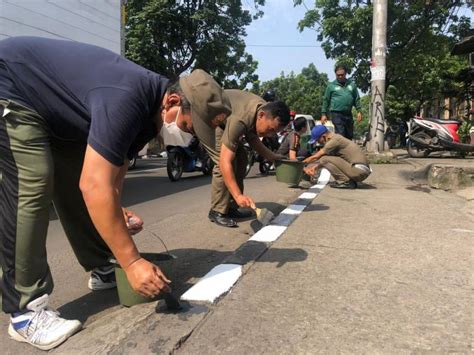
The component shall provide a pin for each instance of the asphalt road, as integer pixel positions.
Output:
(177, 213)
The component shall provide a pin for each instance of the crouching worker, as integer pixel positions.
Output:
(71, 116)
(343, 158)
(291, 145)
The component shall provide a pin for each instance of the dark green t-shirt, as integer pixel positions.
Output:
(341, 97)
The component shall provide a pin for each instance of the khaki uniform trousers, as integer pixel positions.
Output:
(220, 195)
(35, 170)
(341, 170)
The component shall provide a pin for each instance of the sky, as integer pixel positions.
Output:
(269, 40)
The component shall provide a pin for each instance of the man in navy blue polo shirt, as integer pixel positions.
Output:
(71, 115)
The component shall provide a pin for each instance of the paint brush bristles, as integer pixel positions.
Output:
(264, 216)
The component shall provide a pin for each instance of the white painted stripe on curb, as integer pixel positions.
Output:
(324, 177)
(308, 195)
(222, 277)
(217, 281)
(268, 234)
(294, 209)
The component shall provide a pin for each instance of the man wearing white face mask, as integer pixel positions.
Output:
(71, 115)
(173, 135)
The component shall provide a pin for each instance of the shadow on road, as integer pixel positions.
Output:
(316, 207)
(138, 189)
(365, 186)
(189, 266)
(142, 188)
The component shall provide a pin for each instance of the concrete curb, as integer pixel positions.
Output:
(220, 280)
(124, 330)
(448, 177)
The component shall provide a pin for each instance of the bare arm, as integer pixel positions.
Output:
(101, 185)
(314, 157)
(292, 154)
(260, 148)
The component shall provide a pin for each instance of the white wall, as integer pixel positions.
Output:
(90, 21)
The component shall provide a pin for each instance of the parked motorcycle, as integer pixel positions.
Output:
(264, 166)
(430, 134)
(273, 143)
(188, 159)
(251, 156)
(391, 135)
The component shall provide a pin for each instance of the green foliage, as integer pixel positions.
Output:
(171, 37)
(303, 93)
(361, 129)
(464, 131)
(420, 35)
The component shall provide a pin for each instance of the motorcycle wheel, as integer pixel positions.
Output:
(132, 163)
(415, 151)
(250, 159)
(175, 165)
(207, 165)
(391, 141)
(264, 167)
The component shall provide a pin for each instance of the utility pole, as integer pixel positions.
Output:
(377, 70)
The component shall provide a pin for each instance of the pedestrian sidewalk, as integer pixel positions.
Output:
(385, 268)
(388, 270)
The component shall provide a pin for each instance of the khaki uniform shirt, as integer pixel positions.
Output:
(291, 142)
(346, 149)
(242, 121)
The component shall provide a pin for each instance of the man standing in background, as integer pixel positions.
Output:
(339, 98)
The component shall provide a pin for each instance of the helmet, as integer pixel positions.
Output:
(269, 95)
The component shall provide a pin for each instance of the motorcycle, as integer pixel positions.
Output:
(187, 159)
(264, 166)
(391, 135)
(430, 134)
(273, 143)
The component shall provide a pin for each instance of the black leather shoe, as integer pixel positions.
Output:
(344, 185)
(236, 213)
(222, 219)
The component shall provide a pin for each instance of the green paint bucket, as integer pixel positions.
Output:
(127, 296)
(289, 171)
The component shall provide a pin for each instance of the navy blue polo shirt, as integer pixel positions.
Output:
(83, 92)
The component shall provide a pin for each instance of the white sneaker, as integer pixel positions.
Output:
(41, 326)
(102, 278)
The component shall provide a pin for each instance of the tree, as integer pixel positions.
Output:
(171, 37)
(303, 93)
(420, 35)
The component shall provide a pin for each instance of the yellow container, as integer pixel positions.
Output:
(127, 296)
(289, 171)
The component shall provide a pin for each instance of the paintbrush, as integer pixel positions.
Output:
(172, 302)
(264, 216)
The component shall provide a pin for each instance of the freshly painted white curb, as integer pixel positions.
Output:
(222, 277)
(268, 234)
(294, 209)
(323, 177)
(217, 281)
(308, 195)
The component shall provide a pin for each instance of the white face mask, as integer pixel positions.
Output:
(173, 135)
